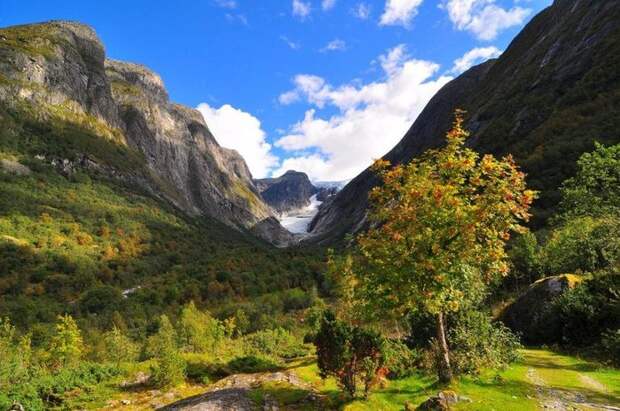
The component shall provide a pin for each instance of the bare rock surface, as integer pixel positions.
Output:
(231, 393)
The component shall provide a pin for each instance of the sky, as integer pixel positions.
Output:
(320, 86)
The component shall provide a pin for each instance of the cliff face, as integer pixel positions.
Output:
(290, 191)
(54, 76)
(552, 93)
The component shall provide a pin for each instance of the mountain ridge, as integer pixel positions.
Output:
(58, 71)
(552, 93)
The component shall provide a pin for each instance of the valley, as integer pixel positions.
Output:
(145, 263)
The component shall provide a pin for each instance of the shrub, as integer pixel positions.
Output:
(584, 312)
(198, 331)
(477, 343)
(251, 364)
(583, 244)
(350, 354)
(611, 346)
(67, 346)
(400, 360)
(169, 368)
(278, 343)
(119, 347)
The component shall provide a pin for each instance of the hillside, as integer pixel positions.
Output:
(62, 101)
(547, 99)
(113, 200)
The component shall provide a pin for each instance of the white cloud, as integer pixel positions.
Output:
(328, 4)
(335, 45)
(483, 18)
(370, 118)
(227, 4)
(301, 9)
(399, 12)
(236, 129)
(292, 44)
(361, 11)
(473, 57)
(237, 18)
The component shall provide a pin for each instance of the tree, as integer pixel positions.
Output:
(348, 353)
(170, 365)
(67, 346)
(438, 234)
(119, 347)
(199, 331)
(595, 189)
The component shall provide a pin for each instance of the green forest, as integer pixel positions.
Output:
(109, 293)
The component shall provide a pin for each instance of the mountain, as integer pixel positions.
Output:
(546, 100)
(64, 103)
(291, 191)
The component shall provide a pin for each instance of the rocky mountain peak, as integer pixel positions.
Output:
(57, 71)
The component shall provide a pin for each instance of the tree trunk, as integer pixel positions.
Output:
(444, 371)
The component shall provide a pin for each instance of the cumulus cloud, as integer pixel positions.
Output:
(361, 11)
(328, 4)
(473, 57)
(399, 12)
(236, 129)
(301, 9)
(369, 120)
(335, 45)
(483, 18)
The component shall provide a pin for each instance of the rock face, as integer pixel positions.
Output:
(526, 315)
(61, 67)
(546, 100)
(290, 191)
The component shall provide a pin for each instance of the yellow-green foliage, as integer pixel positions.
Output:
(169, 368)
(67, 346)
(33, 40)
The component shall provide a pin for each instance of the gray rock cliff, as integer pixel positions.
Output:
(59, 69)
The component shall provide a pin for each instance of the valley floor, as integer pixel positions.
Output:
(542, 380)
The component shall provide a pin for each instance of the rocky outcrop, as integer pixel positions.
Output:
(550, 95)
(528, 315)
(290, 191)
(232, 393)
(61, 66)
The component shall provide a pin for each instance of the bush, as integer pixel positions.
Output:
(251, 364)
(118, 347)
(198, 331)
(611, 346)
(400, 360)
(477, 343)
(67, 346)
(584, 312)
(275, 343)
(583, 244)
(170, 366)
(350, 354)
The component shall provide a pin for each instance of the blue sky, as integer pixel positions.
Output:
(321, 86)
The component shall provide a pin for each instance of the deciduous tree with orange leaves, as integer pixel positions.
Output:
(439, 228)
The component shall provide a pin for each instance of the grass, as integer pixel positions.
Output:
(507, 390)
(510, 389)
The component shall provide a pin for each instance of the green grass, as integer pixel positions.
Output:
(507, 390)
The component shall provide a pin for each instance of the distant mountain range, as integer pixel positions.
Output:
(293, 191)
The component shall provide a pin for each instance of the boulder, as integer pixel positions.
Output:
(526, 315)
